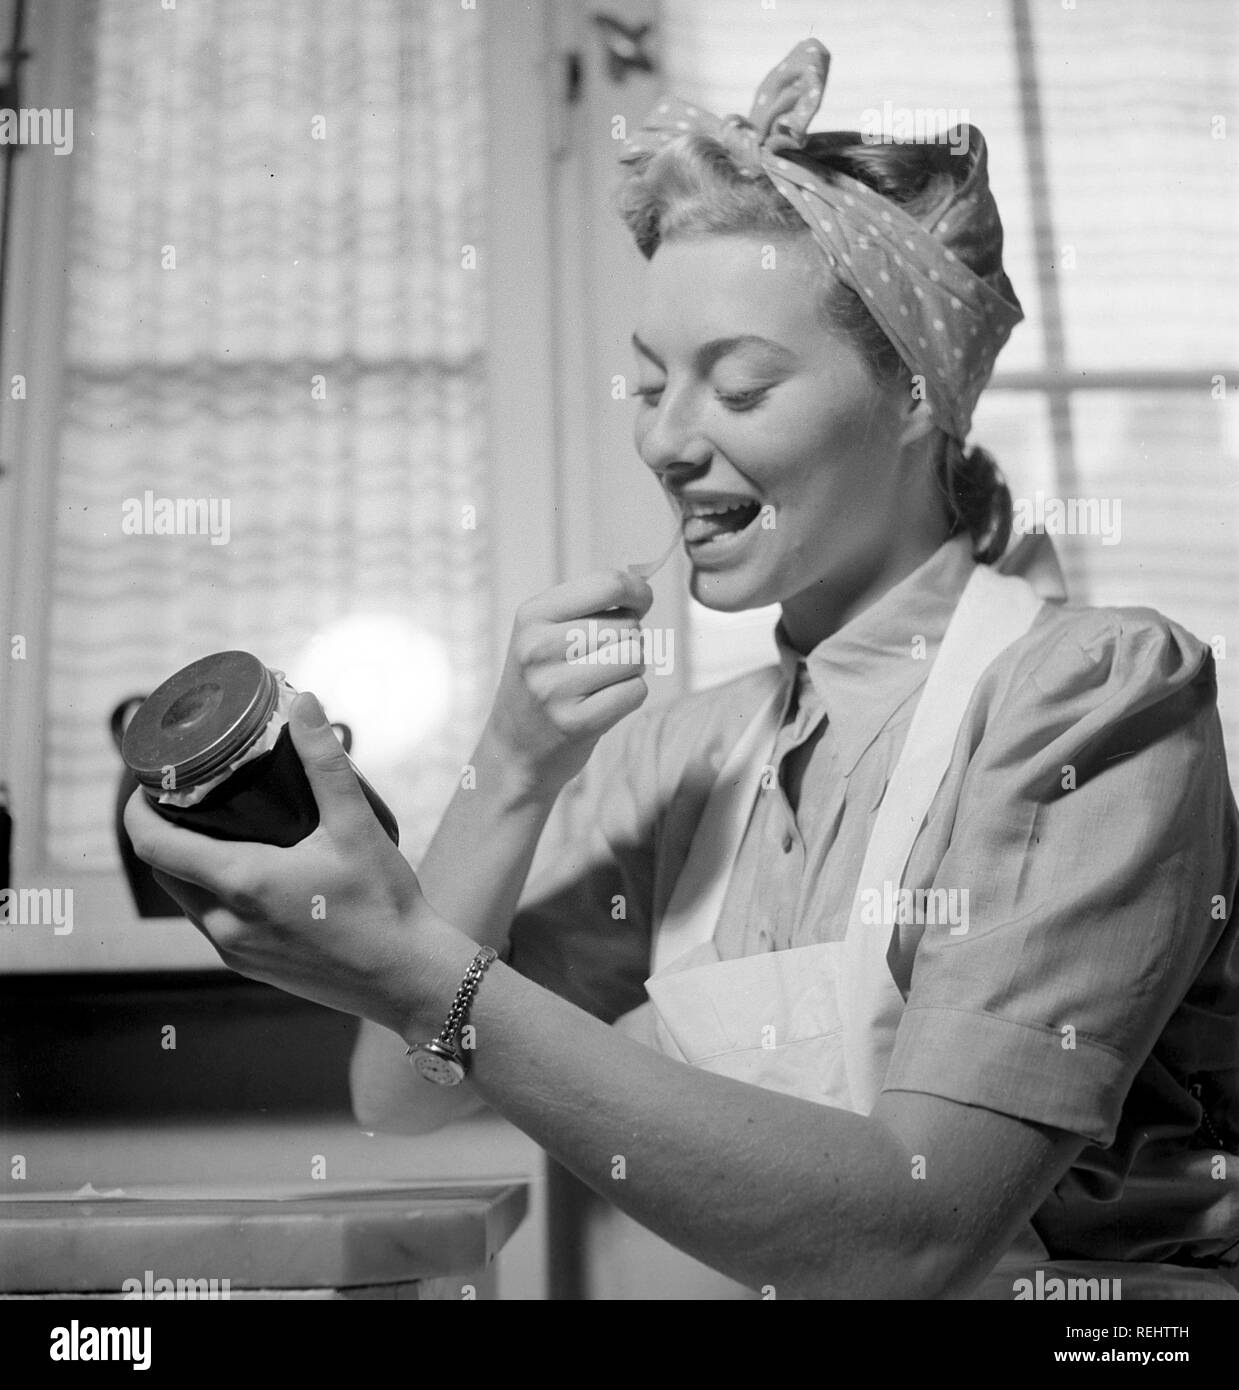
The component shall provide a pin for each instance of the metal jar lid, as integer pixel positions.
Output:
(200, 720)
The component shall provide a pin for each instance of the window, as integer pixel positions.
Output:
(279, 274)
(1112, 164)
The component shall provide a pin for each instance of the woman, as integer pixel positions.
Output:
(937, 910)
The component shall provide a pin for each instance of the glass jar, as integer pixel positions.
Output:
(212, 750)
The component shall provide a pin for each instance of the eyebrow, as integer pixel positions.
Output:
(710, 353)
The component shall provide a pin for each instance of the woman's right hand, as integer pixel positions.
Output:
(574, 668)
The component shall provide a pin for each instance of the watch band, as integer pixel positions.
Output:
(439, 1060)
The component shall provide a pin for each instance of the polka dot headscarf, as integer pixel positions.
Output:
(946, 321)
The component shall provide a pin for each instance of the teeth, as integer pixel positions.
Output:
(692, 508)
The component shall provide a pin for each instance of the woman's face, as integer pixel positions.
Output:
(750, 402)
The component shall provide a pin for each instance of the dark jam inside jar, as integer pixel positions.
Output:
(192, 731)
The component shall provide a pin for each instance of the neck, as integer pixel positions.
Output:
(821, 610)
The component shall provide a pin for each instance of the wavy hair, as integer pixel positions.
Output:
(693, 187)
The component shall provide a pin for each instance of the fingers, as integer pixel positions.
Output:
(342, 805)
(542, 640)
(591, 593)
(204, 910)
(604, 640)
(180, 853)
(580, 663)
(610, 704)
(193, 901)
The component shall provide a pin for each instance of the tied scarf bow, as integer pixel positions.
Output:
(946, 321)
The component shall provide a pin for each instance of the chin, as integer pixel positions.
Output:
(730, 592)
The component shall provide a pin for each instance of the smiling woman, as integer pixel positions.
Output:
(747, 420)
(689, 187)
(730, 1003)
(816, 453)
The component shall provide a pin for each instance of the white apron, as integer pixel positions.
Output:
(819, 1021)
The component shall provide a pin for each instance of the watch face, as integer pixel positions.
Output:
(443, 1071)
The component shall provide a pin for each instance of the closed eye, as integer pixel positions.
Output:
(733, 400)
(743, 400)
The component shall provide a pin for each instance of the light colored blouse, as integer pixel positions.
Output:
(1088, 815)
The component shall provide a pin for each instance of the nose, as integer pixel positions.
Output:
(670, 441)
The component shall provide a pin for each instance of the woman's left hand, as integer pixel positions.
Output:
(338, 918)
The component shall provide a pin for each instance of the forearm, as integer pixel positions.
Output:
(765, 1188)
(472, 875)
(475, 867)
(389, 1097)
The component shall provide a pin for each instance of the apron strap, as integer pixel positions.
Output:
(993, 611)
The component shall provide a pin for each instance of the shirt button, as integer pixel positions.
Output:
(788, 842)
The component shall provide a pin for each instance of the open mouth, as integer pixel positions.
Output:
(726, 519)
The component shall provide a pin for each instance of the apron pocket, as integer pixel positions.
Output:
(770, 1020)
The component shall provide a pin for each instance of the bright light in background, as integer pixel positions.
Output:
(389, 680)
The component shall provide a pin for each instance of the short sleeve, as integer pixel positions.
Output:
(1093, 831)
(582, 927)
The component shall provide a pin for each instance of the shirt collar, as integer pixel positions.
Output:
(867, 669)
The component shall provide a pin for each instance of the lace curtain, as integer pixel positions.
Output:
(275, 301)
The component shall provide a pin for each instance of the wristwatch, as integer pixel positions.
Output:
(439, 1060)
